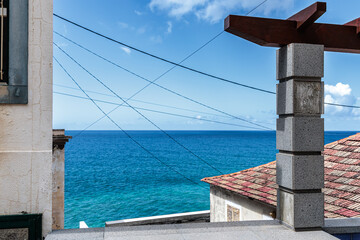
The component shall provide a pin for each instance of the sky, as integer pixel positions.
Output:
(173, 29)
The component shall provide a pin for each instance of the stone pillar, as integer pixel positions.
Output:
(58, 163)
(300, 136)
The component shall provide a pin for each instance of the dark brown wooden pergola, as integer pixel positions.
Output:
(299, 28)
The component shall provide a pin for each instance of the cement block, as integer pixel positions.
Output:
(300, 97)
(300, 60)
(301, 210)
(300, 172)
(342, 225)
(300, 134)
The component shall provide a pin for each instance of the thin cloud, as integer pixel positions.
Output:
(169, 27)
(176, 8)
(339, 89)
(214, 11)
(123, 25)
(141, 30)
(138, 13)
(126, 50)
(156, 39)
(340, 94)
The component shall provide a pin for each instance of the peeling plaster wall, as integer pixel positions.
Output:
(248, 209)
(26, 130)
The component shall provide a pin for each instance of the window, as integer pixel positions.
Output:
(4, 42)
(14, 51)
(233, 214)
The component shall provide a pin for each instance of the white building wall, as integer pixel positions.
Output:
(26, 130)
(248, 209)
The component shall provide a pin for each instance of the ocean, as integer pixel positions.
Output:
(108, 177)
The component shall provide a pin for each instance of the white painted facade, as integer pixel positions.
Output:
(222, 200)
(26, 129)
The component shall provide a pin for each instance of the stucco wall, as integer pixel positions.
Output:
(249, 209)
(26, 130)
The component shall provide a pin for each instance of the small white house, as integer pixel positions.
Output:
(251, 194)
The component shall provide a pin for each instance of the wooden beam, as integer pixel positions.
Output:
(355, 23)
(309, 15)
(277, 33)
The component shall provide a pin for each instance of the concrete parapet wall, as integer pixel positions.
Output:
(342, 226)
(189, 217)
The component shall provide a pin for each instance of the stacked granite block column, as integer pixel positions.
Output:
(300, 136)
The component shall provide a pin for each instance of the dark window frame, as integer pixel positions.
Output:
(5, 52)
(15, 89)
(31, 221)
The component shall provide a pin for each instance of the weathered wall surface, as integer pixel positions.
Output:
(58, 188)
(249, 210)
(26, 130)
(58, 177)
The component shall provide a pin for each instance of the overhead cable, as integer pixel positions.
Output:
(164, 88)
(160, 112)
(163, 59)
(146, 102)
(163, 74)
(125, 132)
(150, 103)
(133, 73)
(137, 111)
(143, 88)
(187, 57)
(342, 105)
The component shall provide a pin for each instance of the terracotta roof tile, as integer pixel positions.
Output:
(342, 180)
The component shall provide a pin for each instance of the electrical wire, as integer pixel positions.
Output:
(125, 132)
(163, 59)
(157, 111)
(256, 7)
(190, 55)
(342, 105)
(146, 102)
(137, 75)
(141, 114)
(162, 87)
(150, 82)
(185, 67)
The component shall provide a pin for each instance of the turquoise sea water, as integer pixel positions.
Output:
(108, 177)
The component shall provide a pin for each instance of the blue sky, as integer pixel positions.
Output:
(173, 29)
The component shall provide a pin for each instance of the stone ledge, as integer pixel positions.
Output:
(200, 216)
(342, 226)
(261, 230)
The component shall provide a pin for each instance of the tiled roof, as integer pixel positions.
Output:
(342, 180)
